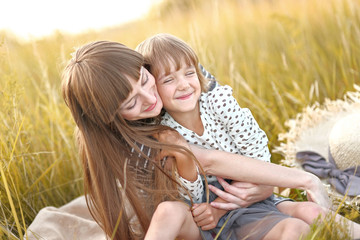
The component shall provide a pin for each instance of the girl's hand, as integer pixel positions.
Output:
(205, 216)
(239, 194)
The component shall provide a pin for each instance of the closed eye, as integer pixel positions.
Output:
(167, 80)
(146, 79)
(132, 105)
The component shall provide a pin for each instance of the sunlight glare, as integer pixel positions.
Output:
(38, 18)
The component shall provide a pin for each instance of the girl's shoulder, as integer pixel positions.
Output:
(218, 102)
(222, 89)
(220, 94)
(166, 119)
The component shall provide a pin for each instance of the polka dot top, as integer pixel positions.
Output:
(227, 127)
(196, 188)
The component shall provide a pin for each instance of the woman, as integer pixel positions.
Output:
(114, 103)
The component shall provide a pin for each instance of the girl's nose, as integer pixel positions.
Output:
(183, 84)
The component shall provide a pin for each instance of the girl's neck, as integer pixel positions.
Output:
(190, 120)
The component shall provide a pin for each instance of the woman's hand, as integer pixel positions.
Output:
(239, 194)
(317, 193)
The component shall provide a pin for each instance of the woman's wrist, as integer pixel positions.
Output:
(310, 182)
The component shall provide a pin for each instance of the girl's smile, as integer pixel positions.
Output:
(180, 89)
(185, 97)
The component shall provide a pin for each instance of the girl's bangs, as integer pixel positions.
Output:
(175, 57)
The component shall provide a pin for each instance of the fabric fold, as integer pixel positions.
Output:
(346, 182)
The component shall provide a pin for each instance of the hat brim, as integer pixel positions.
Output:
(310, 130)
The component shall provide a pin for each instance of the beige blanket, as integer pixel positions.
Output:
(69, 222)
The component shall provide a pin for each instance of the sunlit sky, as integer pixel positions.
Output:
(36, 18)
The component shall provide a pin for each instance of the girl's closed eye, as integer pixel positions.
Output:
(167, 80)
(190, 73)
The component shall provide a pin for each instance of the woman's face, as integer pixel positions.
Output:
(144, 100)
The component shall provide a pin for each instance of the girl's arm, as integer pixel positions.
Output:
(241, 168)
(185, 165)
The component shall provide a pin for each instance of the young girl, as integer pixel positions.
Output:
(214, 120)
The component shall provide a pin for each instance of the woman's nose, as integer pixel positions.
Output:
(148, 97)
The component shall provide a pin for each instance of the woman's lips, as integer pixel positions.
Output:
(151, 107)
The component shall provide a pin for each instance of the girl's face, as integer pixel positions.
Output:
(180, 90)
(144, 100)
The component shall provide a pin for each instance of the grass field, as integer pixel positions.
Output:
(279, 56)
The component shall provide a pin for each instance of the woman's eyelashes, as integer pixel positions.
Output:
(145, 79)
(132, 105)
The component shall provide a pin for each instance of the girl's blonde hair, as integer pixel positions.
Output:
(162, 49)
(121, 177)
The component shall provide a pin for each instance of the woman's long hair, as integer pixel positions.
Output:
(124, 181)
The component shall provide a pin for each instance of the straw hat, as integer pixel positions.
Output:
(344, 141)
(325, 140)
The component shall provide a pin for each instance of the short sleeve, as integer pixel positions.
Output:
(240, 124)
(195, 188)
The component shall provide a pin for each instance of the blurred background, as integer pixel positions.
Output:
(279, 56)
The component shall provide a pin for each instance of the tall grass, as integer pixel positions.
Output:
(279, 56)
(38, 159)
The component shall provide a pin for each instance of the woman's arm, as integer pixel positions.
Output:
(241, 168)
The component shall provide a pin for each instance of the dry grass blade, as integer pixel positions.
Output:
(12, 206)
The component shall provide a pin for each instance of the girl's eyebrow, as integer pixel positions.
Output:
(162, 76)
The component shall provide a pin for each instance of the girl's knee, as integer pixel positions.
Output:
(170, 208)
(289, 229)
(311, 209)
(303, 210)
(295, 228)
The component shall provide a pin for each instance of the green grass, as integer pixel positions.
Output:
(279, 56)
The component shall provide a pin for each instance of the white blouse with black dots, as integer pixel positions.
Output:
(227, 127)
